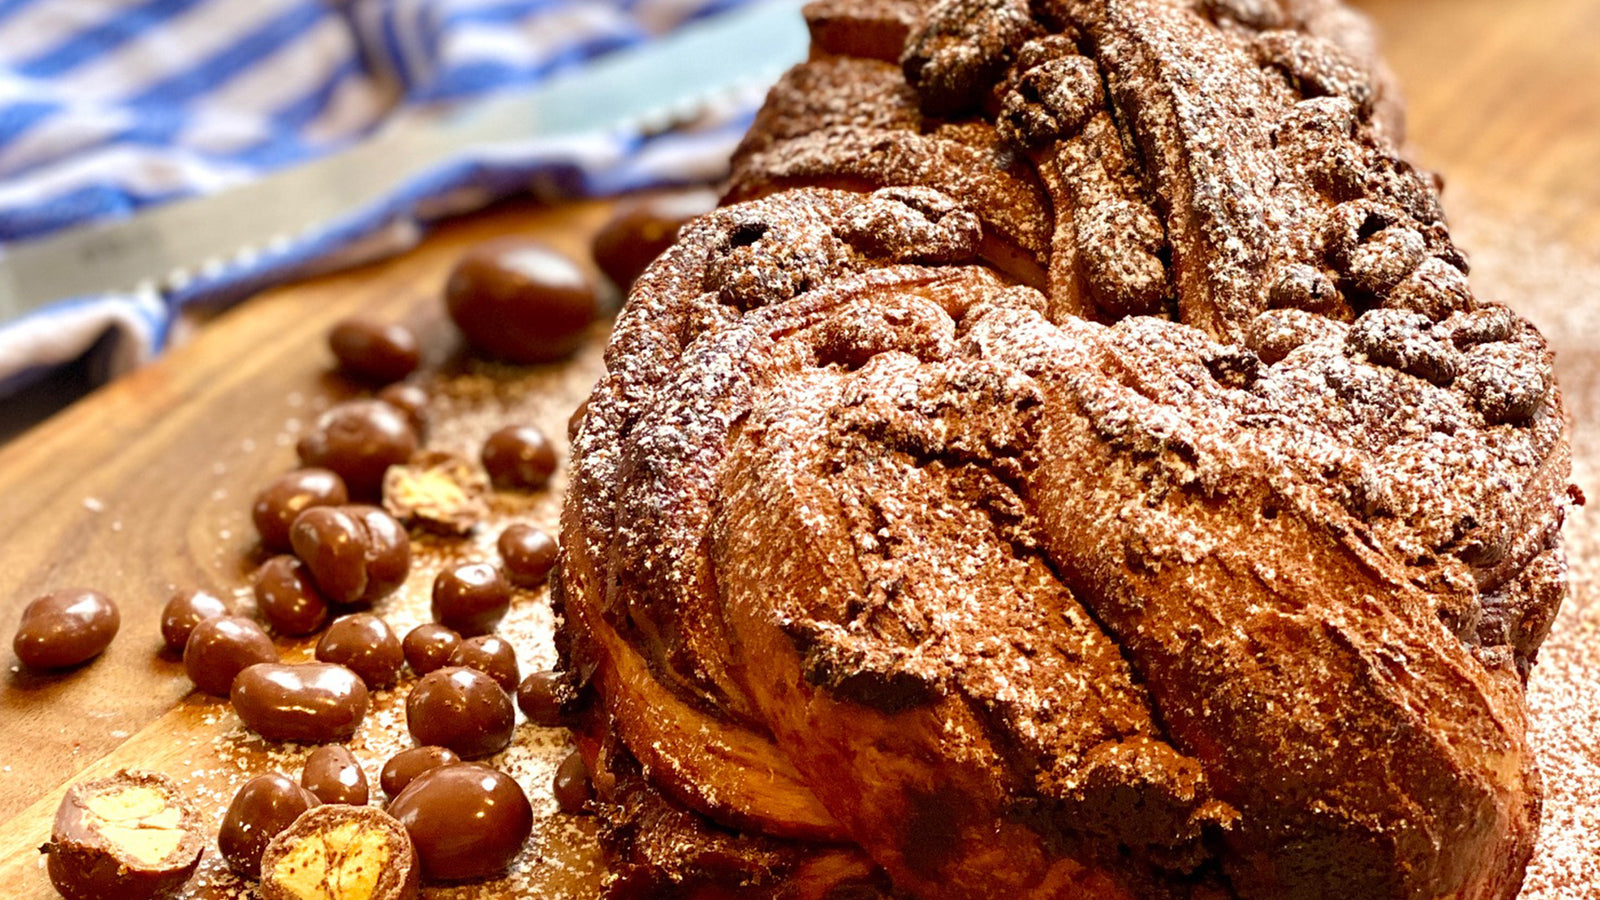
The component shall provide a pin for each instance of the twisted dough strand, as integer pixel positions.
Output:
(1075, 465)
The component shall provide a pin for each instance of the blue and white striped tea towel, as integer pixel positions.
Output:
(108, 106)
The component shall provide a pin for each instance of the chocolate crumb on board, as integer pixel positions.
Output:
(438, 491)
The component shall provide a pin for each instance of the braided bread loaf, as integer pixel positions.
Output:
(1073, 465)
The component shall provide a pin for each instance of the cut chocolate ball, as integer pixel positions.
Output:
(130, 836)
(339, 852)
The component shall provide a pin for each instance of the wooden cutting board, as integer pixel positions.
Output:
(147, 483)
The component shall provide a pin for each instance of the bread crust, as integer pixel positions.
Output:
(1075, 464)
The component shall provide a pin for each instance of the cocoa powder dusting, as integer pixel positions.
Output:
(1082, 440)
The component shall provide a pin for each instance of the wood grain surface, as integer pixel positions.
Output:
(146, 484)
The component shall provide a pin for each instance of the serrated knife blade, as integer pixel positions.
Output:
(644, 88)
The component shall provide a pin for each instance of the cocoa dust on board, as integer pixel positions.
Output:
(1558, 288)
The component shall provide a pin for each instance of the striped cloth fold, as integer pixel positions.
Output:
(109, 106)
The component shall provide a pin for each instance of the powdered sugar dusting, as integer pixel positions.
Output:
(1315, 504)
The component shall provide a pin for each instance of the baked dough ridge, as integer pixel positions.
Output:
(1073, 464)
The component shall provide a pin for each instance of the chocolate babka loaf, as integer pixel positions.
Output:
(1072, 463)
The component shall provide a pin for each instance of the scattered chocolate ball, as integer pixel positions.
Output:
(572, 788)
(528, 554)
(471, 599)
(65, 628)
(266, 805)
(640, 231)
(492, 655)
(374, 352)
(539, 696)
(388, 551)
(341, 852)
(333, 543)
(428, 647)
(366, 645)
(185, 610)
(466, 820)
(333, 775)
(288, 598)
(405, 766)
(521, 301)
(359, 439)
(222, 647)
(462, 709)
(292, 493)
(356, 554)
(312, 703)
(519, 457)
(130, 836)
(411, 400)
